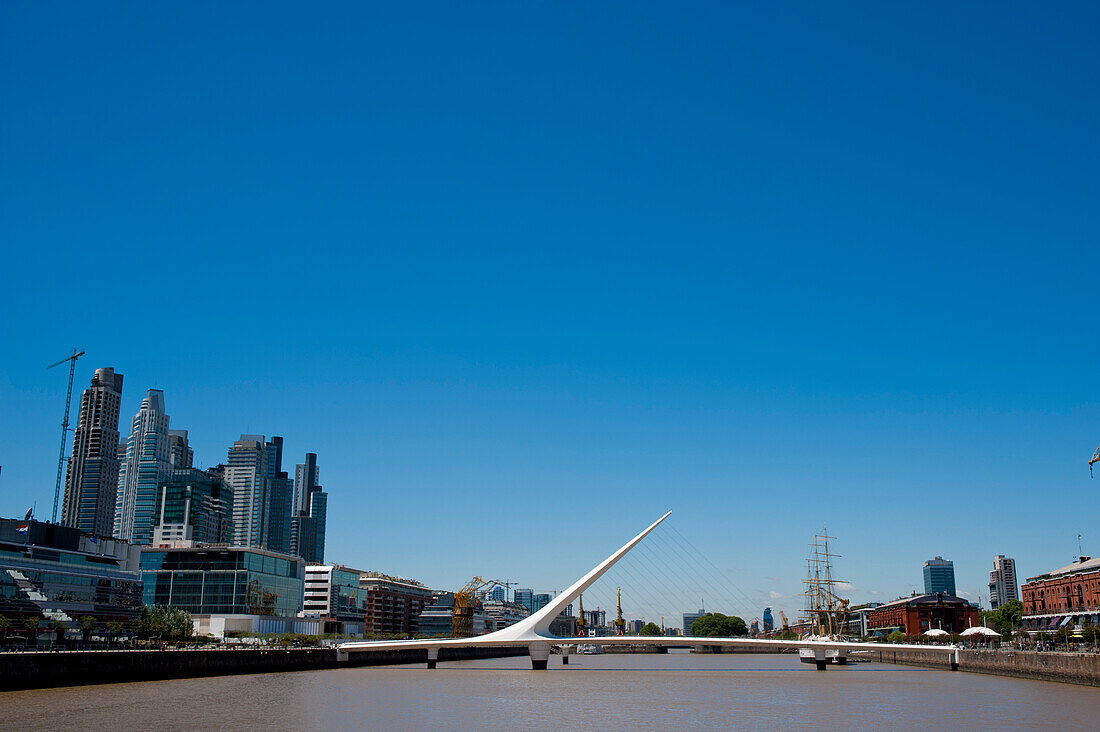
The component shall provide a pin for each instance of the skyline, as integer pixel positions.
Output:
(771, 268)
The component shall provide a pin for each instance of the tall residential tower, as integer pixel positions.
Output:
(939, 576)
(91, 483)
(1002, 582)
(147, 463)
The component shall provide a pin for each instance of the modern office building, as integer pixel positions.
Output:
(1002, 581)
(499, 594)
(916, 614)
(437, 616)
(180, 454)
(91, 481)
(939, 576)
(394, 604)
(857, 625)
(690, 618)
(769, 621)
(58, 573)
(309, 512)
(539, 600)
(1064, 597)
(261, 494)
(526, 597)
(193, 507)
(147, 463)
(634, 627)
(223, 580)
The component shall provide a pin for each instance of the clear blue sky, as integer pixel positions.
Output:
(526, 277)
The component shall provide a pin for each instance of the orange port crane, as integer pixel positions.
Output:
(1095, 458)
(620, 624)
(466, 601)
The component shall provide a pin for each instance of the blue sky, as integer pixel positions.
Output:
(527, 277)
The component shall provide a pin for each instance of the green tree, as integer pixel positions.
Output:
(717, 625)
(896, 637)
(114, 628)
(31, 624)
(87, 624)
(650, 629)
(5, 626)
(179, 623)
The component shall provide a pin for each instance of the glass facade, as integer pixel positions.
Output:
(229, 580)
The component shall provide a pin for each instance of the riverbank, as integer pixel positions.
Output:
(45, 669)
(1067, 668)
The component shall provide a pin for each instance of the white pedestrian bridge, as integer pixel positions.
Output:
(534, 632)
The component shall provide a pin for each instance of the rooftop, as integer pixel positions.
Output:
(1084, 564)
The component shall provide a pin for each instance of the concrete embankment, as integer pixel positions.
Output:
(1070, 668)
(34, 670)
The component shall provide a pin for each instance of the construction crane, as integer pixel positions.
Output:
(581, 632)
(783, 616)
(65, 427)
(620, 624)
(466, 601)
(1095, 458)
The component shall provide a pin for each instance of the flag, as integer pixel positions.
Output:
(22, 528)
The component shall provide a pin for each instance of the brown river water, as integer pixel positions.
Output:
(633, 692)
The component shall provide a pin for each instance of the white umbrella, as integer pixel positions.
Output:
(981, 630)
(935, 633)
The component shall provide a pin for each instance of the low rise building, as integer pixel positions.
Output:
(333, 592)
(918, 613)
(436, 618)
(857, 624)
(394, 604)
(1066, 596)
(58, 573)
(503, 613)
(224, 580)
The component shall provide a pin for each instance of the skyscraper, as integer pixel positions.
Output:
(146, 465)
(769, 621)
(91, 482)
(193, 507)
(310, 512)
(526, 597)
(1002, 582)
(278, 497)
(939, 576)
(180, 454)
(244, 473)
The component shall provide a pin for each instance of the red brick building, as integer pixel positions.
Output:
(393, 604)
(916, 614)
(1067, 596)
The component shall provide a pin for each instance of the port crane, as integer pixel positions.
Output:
(466, 601)
(620, 624)
(1095, 458)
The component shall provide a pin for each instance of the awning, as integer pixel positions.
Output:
(1065, 621)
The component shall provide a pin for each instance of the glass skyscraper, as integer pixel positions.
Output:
(939, 576)
(147, 463)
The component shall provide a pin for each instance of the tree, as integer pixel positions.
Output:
(179, 623)
(31, 624)
(896, 637)
(5, 626)
(113, 629)
(87, 624)
(650, 629)
(1005, 618)
(717, 625)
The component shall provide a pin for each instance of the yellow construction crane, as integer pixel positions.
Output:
(466, 601)
(620, 624)
(783, 616)
(581, 632)
(1095, 458)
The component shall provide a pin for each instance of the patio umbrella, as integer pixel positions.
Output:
(935, 633)
(981, 630)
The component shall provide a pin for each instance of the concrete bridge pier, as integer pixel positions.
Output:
(565, 655)
(433, 657)
(819, 659)
(842, 657)
(540, 655)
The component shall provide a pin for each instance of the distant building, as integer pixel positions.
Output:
(564, 625)
(526, 597)
(596, 622)
(146, 465)
(1064, 597)
(309, 512)
(498, 593)
(1002, 581)
(769, 621)
(436, 618)
(503, 613)
(754, 628)
(193, 507)
(91, 482)
(54, 572)
(939, 576)
(180, 454)
(857, 625)
(916, 614)
(224, 580)
(539, 601)
(690, 618)
(394, 604)
(262, 494)
(634, 627)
